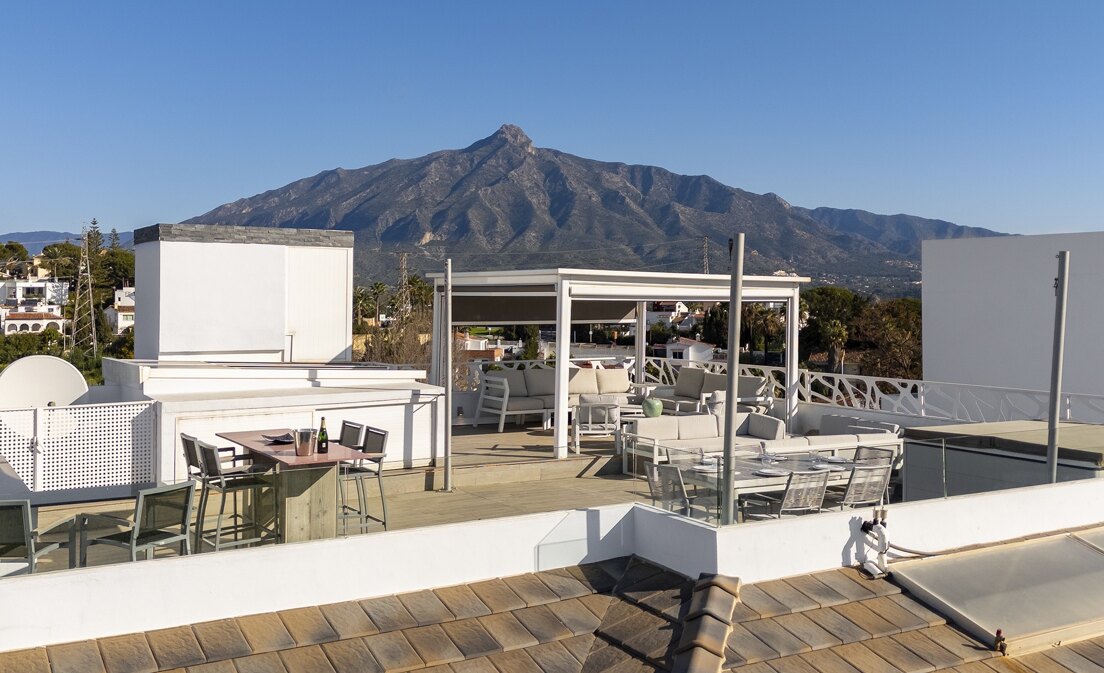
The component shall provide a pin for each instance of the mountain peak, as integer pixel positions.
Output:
(513, 135)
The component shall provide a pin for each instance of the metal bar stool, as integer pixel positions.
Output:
(230, 481)
(373, 442)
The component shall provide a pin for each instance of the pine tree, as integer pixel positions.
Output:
(113, 239)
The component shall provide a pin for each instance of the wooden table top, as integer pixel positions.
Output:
(284, 454)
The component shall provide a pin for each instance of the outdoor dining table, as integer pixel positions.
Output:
(306, 486)
(748, 477)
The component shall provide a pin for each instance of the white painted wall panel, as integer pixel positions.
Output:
(989, 311)
(319, 284)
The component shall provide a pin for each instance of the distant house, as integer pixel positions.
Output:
(33, 322)
(32, 305)
(481, 348)
(666, 312)
(120, 315)
(682, 348)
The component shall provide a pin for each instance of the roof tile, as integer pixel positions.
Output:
(554, 658)
(844, 585)
(578, 646)
(928, 650)
(637, 571)
(265, 632)
(712, 601)
(761, 602)
(656, 644)
(480, 665)
(836, 624)
(894, 613)
(787, 595)
(824, 595)
(671, 603)
(594, 576)
(744, 648)
(777, 638)
(638, 622)
(173, 648)
(597, 603)
(223, 666)
(127, 654)
(563, 584)
(462, 602)
(308, 659)
(497, 596)
(827, 661)
(705, 632)
(864, 659)
(393, 652)
(894, 652)
(471, 638)
(866, 620)
(930, 617)
(433, 645)
(426, 608)
(348, 619)
(531, 590)
(268, 662)
(81, 657)
(508, 631)
(514, 661)
(388, 613)
(221, 639)
(697, 660)
(542, 623)
(25, 661)
(807, 631)
(351, 656)
(880, 587)
(307, 626)
(575, 616)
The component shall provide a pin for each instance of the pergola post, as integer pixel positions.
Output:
(793, 327)
(641, 338)
(563, 358)
(438, 333)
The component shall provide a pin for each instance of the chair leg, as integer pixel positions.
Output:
(343, 506)
(501, 421)
(201, 515)
(362, 504)
(218, 522)
(383, 500)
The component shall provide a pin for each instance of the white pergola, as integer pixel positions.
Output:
(578, 296)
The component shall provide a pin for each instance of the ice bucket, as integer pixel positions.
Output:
(304, 442)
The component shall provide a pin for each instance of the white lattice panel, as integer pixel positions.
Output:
(17, 430)
(97, 445)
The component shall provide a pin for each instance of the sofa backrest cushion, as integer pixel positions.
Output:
(697, 426)
(516, 381)
(582, 382)
(864, 425)
(689, 382)
(765, 427)
(540, 381)
(836, 424)
(658, 428)
(751, 386)
(612, 380)
(713, 382)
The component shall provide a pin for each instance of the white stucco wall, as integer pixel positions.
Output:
(243, 302)
(989, 311)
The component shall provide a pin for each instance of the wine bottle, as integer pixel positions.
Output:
(323, 438)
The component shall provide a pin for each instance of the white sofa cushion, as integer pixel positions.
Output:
(516, 381)
(658, 428)
(713, 382)
(827, 440)
(765, 427)
(582, 382)
(524, 404)
(836, 424)
(689, 382)
(786, 445)
(697, 426)
(540, 382)
(612, 381)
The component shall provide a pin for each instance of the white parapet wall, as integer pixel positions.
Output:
(425, 558)
(214, 292)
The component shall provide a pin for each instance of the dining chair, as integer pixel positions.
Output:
(673, 495)
(804, 494)
(866, 486)
(372, 442)
(20, 541)
(162, 517)
(229, 481)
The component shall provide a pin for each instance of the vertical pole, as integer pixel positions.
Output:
(446, 373)
(793, 373)
(641, 336)
(563, 361)
(436, 354)
(1061, 285)
(735, 301)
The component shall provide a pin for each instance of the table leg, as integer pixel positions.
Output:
(308, 504)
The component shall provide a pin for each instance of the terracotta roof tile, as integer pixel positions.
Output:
(265, 632)
(597, 603)
(471, 638)
(787, 595)
(309, 659)
(433, 645)
(481, 665)
(127, 654)
(224, 666)
(507, 631)
(462, 602)
(514, 661)
(426, 608)
(542, 623)
(307, 626)
(497, 596)
(393, 652)
(531, 590)
(25, 661)
(269, 662)
(844, 585)
(554, 658)
(351, 656)
(221, 639)
(388, 613)
(563, 584)
(348, 619)
(578, 646)
(824, 595)
(173, 648)
(575, 616)
(82, 657)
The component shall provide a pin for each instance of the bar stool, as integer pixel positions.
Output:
(371, 441)
(231, 482)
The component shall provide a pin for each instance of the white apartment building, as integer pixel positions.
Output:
(32, 305)
(120, 315)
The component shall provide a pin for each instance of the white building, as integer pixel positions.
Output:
(989, 311)
(120, 315)
(687, 349)
(253, 294)
(32, 305)
(666, 312)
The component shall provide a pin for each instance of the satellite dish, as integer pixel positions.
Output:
(40, 381)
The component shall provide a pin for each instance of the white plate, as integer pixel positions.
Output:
(837, 459)
(776, 457)
(828, 468)
(704, 468)
(771, 472)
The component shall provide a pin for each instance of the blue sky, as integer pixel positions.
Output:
(983, 113)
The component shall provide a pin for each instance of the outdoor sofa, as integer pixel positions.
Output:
(511, 392)
(695, 388)
(655, 438)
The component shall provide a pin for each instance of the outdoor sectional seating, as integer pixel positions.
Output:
(655, 438)
(511, 392)
(695, 387)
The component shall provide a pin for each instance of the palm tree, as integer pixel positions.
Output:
(835, 334)
(362, 301)
(378, 291)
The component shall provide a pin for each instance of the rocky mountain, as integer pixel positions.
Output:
(35, 241)
(504, 203)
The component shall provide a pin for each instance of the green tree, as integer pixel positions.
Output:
(890, 333)
(113, 240)
(14, 251)
(715, 326)
(660, 333)
(835, 334)
(95, 238)
(378, 291)
(531, 350)
(62, 259)
(826, 304)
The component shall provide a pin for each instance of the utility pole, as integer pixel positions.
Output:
(83, 326)
(404, 286)
(1061, 289)
(705, 254)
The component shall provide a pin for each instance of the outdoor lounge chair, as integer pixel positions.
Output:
(596, 419)
(804, 494)
(20, 542)
(373, 442)
(162, 517)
